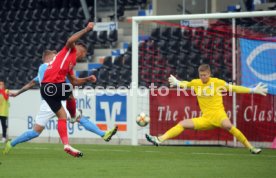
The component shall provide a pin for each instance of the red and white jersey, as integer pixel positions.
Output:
(62, 65)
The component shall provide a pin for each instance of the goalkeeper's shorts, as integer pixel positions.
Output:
(209, 121)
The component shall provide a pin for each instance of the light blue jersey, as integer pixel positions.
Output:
(40, 74)
(41, 70)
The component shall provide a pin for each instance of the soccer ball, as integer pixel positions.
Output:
(142, 119)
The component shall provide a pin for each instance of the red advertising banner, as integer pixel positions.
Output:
(256, 115)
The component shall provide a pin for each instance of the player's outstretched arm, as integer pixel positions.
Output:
(80, 81)
(174, 82)
(26, 87)
(71, 41)
(260, 89)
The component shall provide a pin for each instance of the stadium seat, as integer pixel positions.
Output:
(165, 34)
(31, 26)
(118, 62)
(107, 63)
(120, 11)
(32, 4)
(131, 2)
(103, 77)
(6, 5)
(114, 77)
(181, 59)
(63, 13)
(174, 46)
(78, 24)
(16, 40)
(7, 40)
(163, 47)
(4, 49)
(35, 63)
(72, 13)
(11, 15)
(127, 61)
(13, 27)
(155, 34)
(125, 78)
(37, 14)
(54, 14)
(4, 27)
(129, 49)
(141, 2)
(113, 36)
(172, 60)
(187, 34)
(40, 26)
(53, 38)
(67, 25)
(7, 64)
(218, 44)
(22, 27)
(28, 15)
(176, 34)
(185, 45)
(80, 14)
(102, 38)
(23, 4)
(43, 38)
(92, 37)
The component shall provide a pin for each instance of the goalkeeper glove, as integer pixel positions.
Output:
(173, 81)
(260, 89)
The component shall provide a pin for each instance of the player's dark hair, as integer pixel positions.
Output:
(82, 44)
(204, 67)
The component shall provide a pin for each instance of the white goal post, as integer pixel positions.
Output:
(135, 47)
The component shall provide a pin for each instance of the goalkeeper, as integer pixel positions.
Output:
(209, 96)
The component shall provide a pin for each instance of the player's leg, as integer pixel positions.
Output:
(4, 128)
(200, 123)
(227, 125)
(71, 105)
(26, 136)
(171, 133)
(90, 126)
(42, 118)
(62, 125)
(62, 130)
(61, 92)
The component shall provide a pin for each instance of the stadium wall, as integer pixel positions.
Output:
(98, 106)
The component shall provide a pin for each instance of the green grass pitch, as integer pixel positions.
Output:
(32, 160)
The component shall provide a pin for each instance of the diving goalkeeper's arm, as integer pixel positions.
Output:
(174, 82)
(260, 89)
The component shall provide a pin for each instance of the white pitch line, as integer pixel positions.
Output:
(233, 154)
(150, 151)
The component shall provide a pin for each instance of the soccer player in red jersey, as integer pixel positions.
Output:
(54, 88)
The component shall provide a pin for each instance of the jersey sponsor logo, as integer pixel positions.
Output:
(110, 111)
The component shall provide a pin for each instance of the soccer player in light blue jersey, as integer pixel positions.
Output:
(45, 113)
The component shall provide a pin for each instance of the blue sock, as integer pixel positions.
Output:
(26, 136)
(88, 125)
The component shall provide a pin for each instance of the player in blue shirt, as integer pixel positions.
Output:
(45, 113)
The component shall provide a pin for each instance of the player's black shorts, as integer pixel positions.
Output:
(54, 93)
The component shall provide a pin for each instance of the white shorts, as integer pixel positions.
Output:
(45, 113)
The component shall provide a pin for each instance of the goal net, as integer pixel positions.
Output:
(239, 47)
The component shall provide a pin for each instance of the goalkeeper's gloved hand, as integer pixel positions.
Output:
(173, 81)
(260, 89)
